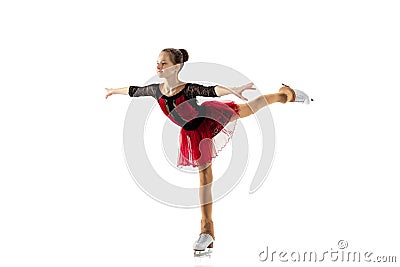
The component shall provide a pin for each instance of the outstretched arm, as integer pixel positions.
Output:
(194, 90)
(121, 91)
(237, 91)
(134, 91)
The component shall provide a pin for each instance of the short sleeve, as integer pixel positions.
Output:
(194, 90)
(148, 90)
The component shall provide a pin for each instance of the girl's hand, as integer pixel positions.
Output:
(109, 91)
(239, 90)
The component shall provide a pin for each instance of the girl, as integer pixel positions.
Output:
(206, 127)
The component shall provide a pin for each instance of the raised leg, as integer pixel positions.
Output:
(286, 94)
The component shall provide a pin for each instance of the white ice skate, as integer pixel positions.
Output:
(300, 96)
(203, 246)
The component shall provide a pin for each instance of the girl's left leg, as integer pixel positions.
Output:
(206, 178)
(286, 94)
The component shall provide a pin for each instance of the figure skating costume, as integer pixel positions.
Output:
(205, 128)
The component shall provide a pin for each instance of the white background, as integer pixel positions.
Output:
(66, 196)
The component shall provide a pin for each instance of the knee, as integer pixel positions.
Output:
(206, 176)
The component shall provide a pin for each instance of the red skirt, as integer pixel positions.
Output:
(199, 146)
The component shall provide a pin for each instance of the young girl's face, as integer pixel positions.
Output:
(165, 67)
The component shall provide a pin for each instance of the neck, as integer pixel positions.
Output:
(171, 83)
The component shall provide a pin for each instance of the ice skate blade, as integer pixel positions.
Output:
(202, 253)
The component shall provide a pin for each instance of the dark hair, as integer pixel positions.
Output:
(177, 55)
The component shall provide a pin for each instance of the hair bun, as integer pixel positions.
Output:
(185, 54)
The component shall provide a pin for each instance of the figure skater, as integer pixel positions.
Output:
(202, 124)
